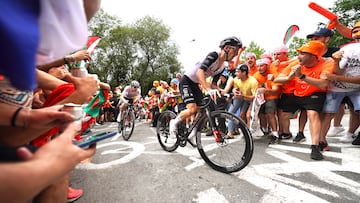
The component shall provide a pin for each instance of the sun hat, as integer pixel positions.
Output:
(313, 47)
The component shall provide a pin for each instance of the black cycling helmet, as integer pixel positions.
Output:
(232, 41)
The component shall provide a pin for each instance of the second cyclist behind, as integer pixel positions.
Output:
(131, 93)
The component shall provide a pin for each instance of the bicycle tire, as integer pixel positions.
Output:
(120, 127)
(163, 133)
(228, 156)
(129, 128)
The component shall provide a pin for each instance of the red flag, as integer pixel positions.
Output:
(91, 44)
(290, 32)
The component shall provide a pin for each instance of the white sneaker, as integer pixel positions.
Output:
(335, 131)
(173, 128)
(347, 138)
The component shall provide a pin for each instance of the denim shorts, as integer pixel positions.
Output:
(333, 100)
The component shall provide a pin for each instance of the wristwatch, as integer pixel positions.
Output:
(66, 61)
(302, 76)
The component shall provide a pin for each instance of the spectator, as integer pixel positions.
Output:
(310, 88)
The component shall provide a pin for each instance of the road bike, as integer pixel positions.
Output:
(127, 125)
(220, 152)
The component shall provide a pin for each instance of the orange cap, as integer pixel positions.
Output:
(313, 47)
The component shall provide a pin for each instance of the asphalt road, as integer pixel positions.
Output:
(139, 170)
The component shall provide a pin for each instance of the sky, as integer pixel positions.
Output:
(198, 26)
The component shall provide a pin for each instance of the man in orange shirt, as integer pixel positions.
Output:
(271, 91)
(251, 63)
(310, 88)
(281, 60)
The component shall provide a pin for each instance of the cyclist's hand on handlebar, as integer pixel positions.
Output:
(214, 93)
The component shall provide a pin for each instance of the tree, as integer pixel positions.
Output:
(141, 51)
(295, 43)
(254, 48)
(157, 58)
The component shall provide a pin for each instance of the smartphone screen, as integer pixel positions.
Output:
(87, 141)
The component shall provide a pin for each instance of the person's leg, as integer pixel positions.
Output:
(314, 123)
(270, 112)
(354, 121)
(330, 109)
(339, 115)
(354, 107)
(233, 108)
(56, 192)
(325, 125)
(302, 120)
(314, 105)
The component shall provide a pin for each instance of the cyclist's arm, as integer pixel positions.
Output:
(202, 79)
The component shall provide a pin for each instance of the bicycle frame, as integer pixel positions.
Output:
(203, 111)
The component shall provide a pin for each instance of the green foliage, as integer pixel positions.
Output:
(348, 12)
(296, 43)
(141, 51)
(254, 48)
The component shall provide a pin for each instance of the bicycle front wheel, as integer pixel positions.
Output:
(163, 134)
(129, 125)
(221, 153)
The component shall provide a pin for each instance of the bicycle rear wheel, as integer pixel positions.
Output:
(227, 155)
(163, 133)
(129, 124)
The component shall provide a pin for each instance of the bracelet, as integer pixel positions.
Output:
(16, 113)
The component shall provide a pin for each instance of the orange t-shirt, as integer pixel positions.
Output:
(252, 70)
(289, 87)
(302, 88)
(282, 65)
(268, 84)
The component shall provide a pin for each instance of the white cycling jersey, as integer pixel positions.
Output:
(129, 92)
(210, 65)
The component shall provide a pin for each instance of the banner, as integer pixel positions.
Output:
(254, 119)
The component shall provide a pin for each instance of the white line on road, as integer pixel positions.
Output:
(210, 196)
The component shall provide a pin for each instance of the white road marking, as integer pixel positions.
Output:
(137, 149)
(283, 189)
(210, 196)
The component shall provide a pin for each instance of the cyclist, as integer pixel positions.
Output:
(131, 93)
(213, 65)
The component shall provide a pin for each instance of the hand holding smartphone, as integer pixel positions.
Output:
(83, 143)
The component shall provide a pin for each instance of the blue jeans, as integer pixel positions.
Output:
(234, 107)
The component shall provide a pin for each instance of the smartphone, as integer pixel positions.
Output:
(87, 141)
